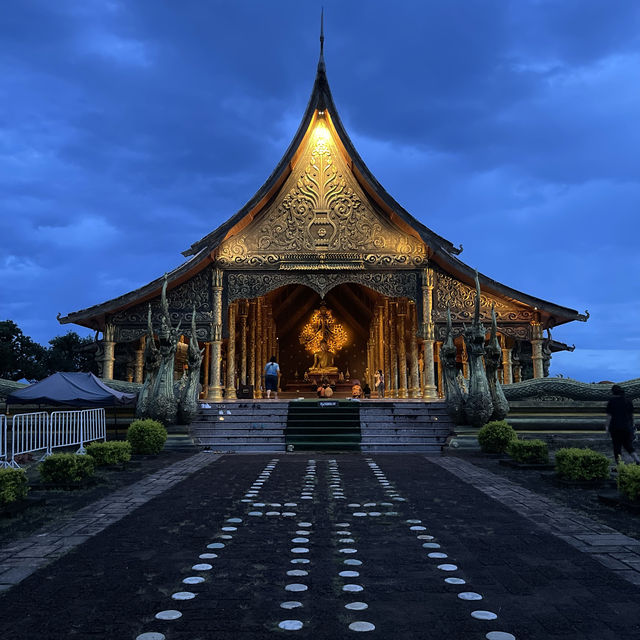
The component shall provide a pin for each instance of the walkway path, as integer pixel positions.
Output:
(257, 546)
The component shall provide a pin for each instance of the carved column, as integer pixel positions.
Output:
(440, 381)
(231, 354)
(380, 339)
(507, 370)
(402, 349)
(428, 333)
(109, 357)
(414, 388)
(392, 384)
(257, 391)
(138, 375)
(386, 340)
(252, 345)
(465, 360)
(215, 386)
(536, 350)
(243, 310)
(207, 360)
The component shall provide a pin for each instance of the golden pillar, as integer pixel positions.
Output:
(243, 310)
(215, 386)
(386, 340)
(428, 333)
(440, 382)
(380, 339)
(109, 357)
(507, 366)
(257, 391)
(414, 386)
(252, 345)
(536, 349)
(138, 375)
(207, 358)
(392, 384)
(402, 349)
(231, 354)
(465, 360)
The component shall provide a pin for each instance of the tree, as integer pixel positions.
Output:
(70, 352)
(20, 356)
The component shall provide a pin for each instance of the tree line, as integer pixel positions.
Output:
(22, 357)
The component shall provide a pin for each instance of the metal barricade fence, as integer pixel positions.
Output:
(65, 429)
(94, 426)
(29, 433)
(3, 442)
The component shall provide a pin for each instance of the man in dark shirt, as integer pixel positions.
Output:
(620, 423)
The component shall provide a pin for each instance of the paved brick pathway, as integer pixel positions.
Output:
(20, 559)
(324, 547)
(612, 549)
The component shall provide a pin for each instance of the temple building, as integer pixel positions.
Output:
(325, 270)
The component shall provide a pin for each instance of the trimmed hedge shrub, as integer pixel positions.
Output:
(146, 436)
(106, 453)
(66, 468)
(581, 464)
(629, 480)
(529, 451)
(13, 485)
(495, 436)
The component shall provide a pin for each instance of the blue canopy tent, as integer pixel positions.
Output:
(74, 389)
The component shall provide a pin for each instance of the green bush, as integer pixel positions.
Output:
(106, 453)
(65, 468)
(629, 480)
(13, 485)
(529, 451)
(146, 436)
(581, 464)
(495, 436)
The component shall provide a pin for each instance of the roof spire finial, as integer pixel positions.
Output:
(321, 60)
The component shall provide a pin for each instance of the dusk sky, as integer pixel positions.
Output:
(129, 130)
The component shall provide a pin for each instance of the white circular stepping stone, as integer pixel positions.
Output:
(438, 555)
(246, 500)
(469, 595)
(391, 513)
(300, 561)
(386, 504)
(216, 545)
(356, 606)
(202, 567)
(499, 635)
(303, 532)
(208, 556)
(353, 505)
(296, 587)
(413, 521)
(299, 550)
(288, 514)
(225, 536)
(234, 520)
(184, 595)
(431, 545)
(300, 540)
(169, 614)
(348, 550)
(483, 615)
(360, 514)
(424, 536)
(417, 527)
(369, 504)
(399, 499)
(291, 604)
(455, 581)
(297, 572)
(349, 574)
(255, 513)
(259, 504)
(290, 625)
(362, 626)
(353, 588)
(273, 513)
(193, 580)
(343, 524)
(447, 567)
(346, 540)
(304, 524)
(375, 514)
(229, 529)
(290, 504)
(151, 635)
(352, 562)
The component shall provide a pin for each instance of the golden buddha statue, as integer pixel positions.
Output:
(323, 360)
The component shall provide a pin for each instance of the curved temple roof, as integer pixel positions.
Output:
(202, 252)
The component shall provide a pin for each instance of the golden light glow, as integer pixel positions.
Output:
(323, 326)
(321, 133)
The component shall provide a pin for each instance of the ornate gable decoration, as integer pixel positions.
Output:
(321, 219)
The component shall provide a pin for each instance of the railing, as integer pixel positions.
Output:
(29, 433)
(3, 442)
(39, 431)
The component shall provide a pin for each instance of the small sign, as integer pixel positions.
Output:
(328, 403)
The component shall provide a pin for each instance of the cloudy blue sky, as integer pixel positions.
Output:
(128, 130)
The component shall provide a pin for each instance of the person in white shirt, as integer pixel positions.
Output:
(271, 373)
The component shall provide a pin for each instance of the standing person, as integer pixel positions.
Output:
(271, 373)
(379, 383)
(620, 424)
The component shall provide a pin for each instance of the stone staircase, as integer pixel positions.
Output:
(398, 426)
(243, 427)
(261, 426)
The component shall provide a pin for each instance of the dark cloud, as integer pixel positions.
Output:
(130, 130)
